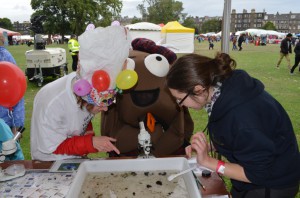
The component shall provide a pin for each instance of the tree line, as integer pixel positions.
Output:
(72, 16)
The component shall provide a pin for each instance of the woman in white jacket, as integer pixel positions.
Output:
(62, 112)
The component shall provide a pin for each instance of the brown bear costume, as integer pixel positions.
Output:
(148, 100)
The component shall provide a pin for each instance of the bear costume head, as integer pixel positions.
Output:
(169, 125)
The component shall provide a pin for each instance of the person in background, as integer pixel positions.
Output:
(199, 39)
(61, 125)
(16, 117)
(297, 41)
(246, 125)
(246, 39)
(240, 41)
(234, 43)
(211, 44)
(285, 49)
(297, 57)
(73, 46)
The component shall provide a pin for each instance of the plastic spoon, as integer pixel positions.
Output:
(171, 177)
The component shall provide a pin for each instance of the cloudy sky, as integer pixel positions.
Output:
(20, 10)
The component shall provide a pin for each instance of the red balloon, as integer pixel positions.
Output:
(100, 80)
(12, 84)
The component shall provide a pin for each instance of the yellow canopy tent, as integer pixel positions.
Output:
(178, 38)
(176, 27)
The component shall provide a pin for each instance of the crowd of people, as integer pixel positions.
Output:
(246, 125)
(288, 45)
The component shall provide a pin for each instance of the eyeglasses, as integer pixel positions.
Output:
(179, 102)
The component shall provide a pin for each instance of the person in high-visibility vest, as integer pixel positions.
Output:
(73, 46)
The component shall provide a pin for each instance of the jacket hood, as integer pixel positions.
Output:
(236, 90)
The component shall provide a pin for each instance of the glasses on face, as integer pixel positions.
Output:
(179, 102)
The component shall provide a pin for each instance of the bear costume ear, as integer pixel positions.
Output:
(148, 46)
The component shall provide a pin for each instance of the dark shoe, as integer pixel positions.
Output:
(291, 72)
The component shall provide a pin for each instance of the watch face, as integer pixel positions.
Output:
(221, 169)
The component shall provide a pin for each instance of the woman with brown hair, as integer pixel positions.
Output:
(246, 125)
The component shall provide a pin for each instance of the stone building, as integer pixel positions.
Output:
(241, 21)
(245, 20)
(22, 27)
(285, 22)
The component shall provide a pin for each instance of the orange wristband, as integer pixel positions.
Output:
(220, 167)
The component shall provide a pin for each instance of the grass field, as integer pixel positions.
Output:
(259, 61)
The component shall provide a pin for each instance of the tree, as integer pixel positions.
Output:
(212, 25)
(269, 26)
(136, 20)
(161, 11)
(72, 16)
(143, 11)
(190, 22)
(6, 23)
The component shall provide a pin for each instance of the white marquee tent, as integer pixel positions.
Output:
(261, 32)
(23, 37)
(145, 30)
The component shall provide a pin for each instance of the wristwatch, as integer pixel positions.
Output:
(220, 167)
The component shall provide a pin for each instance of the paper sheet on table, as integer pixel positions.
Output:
(193, 162)
(38, 183)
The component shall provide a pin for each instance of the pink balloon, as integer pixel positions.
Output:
(90, 27)
(82, 87)
(115, 23)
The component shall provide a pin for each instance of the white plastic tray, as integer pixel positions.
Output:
(152, 164)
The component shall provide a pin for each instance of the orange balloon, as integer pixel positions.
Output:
(12, 84)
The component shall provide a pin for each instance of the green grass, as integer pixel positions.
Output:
(258, 61)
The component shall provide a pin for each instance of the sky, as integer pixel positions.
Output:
(20, 10)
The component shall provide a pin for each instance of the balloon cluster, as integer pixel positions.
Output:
(101, 81)
(12, 84)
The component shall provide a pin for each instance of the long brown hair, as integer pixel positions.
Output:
(83, 103)
(194, 69)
